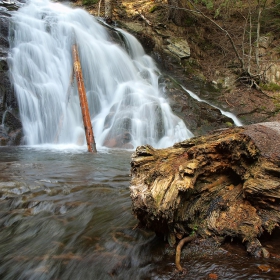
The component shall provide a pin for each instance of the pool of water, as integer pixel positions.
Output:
(66, 214)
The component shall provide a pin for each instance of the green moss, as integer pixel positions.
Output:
(277, 49)
(154, 8)
(270, 225)
(263, 108)
(190, 66)
(89, 2)
(277, 106)
(190, 21)
(270, 87)
(195, 226)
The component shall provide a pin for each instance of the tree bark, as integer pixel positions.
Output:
(83, 101)
(223, 184)
(258, 38)
(108, 11)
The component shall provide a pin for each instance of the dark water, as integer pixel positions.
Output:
(66, 214)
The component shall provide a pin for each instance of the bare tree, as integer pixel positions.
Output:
(108, 11)
(248, 55)
(260, 7)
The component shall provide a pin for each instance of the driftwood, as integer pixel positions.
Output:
(83, 101)
(179, 248)
(224, 184)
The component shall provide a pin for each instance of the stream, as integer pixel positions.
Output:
(66, 214)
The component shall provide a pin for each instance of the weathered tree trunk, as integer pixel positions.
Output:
(83, 101)
(108, 11)
(223, 184)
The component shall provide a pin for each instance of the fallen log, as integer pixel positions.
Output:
(83, 101)
(224, 184)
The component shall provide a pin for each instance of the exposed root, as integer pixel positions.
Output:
(179, 248)
(255, 248)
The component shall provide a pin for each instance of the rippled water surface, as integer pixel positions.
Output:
(66, 214)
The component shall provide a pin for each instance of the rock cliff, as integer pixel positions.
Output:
(10, 124)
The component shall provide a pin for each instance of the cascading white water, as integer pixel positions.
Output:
(236, 121)
(126, 104)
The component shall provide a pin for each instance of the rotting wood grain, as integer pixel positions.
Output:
(223, 184)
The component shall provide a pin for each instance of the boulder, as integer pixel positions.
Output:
(179, 47)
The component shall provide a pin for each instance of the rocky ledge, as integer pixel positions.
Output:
(10, 124)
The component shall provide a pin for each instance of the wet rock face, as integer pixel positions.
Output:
(4, 32)
(10, 124)
(199, 117)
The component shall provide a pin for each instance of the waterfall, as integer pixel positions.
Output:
(236, 121)
(126, 103)
(4, 116)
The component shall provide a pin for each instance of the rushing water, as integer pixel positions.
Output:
(66, 214)
(236, 121)
(125, 99)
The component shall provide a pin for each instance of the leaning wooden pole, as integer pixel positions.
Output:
(83, 101)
